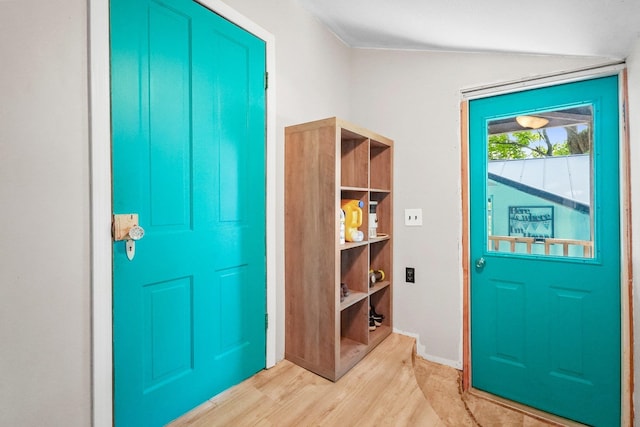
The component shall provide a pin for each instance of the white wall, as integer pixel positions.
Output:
(312, 72)
(414, 98)
(633, 110)
(44, 200)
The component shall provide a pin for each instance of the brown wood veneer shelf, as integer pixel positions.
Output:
(326, 161)
(351, 245)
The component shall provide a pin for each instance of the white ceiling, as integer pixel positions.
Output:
(604, 28)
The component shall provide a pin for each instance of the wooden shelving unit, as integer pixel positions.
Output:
(327, 161)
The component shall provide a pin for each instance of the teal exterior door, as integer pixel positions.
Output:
(188, 119)
(545, 249)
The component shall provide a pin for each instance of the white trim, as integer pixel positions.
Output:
(101, 267)
(421, 351)
(100, 146)
(543, 81)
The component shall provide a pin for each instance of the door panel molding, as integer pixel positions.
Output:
(626, 288)
(100, 163)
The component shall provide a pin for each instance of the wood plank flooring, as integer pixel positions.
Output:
(384, 389)
(381, 390)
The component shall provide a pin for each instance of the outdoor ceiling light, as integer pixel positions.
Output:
(531, 122)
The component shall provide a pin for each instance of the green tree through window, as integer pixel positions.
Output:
(536, 143)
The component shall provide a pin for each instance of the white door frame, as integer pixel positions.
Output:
(101, 208)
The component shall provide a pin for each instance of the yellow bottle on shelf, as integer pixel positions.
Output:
(353, 219)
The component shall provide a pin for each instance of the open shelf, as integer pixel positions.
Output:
(378, 286)
(328, 161)
(354, 189)
(379, 238)
(351, 245)
(351, 299)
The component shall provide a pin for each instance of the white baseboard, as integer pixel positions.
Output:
(421, 351)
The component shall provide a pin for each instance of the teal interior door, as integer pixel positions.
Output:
(188, 118)
(545, 249)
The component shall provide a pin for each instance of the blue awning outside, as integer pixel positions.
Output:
(560, 179)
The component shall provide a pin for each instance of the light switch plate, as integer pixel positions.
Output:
(410, 275)
(412, 217)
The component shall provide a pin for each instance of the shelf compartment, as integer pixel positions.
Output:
(354, 268)
(354, 322)
(380, 256)
(354, 159)
(351, 352)
(380, 299)
(362, 196)
(354, 333)
(380, 165)
(384, 210)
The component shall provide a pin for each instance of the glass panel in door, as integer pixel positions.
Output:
(539, 183)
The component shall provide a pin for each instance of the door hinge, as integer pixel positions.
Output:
(266, 80)
(266, 321)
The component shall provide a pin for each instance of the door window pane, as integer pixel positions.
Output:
(539, 183)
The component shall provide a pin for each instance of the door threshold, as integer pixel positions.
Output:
(523, 409)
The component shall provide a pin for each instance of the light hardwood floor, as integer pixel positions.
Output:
(390, 387)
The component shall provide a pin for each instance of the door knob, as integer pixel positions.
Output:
(125, 227)
(135, 233)
(480, 262)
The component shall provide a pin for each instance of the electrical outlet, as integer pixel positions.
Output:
(413, 217)
(410, 275)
